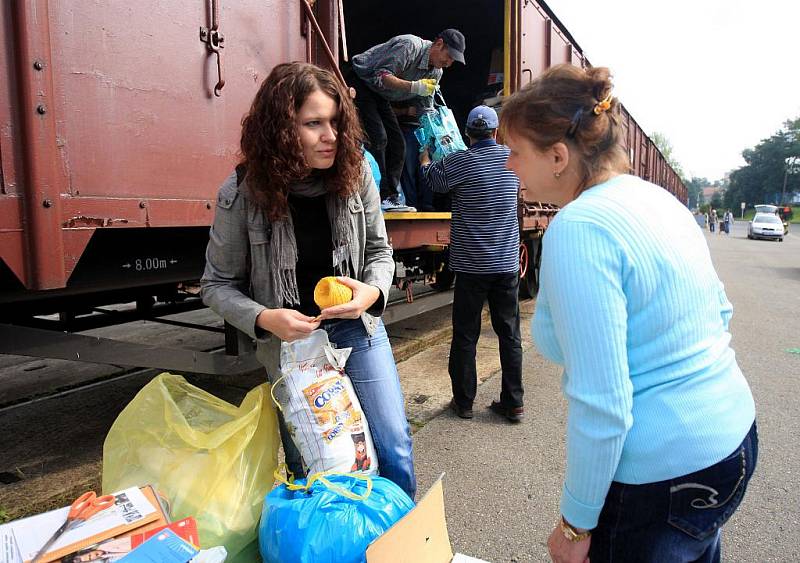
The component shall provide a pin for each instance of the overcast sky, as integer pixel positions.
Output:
(714, 76)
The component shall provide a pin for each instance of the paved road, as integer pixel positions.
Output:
(503, 482)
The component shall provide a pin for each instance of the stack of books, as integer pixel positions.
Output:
(137, 529)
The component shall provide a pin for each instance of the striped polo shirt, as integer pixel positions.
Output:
(484, 231)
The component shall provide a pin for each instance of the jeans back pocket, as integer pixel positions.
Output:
(701, 502)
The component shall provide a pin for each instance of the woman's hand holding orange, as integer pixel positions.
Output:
(364, 296)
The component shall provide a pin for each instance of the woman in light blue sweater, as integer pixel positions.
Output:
(661, 435)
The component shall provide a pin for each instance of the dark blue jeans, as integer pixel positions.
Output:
(373, 372)
(674, 521)
(416, 189)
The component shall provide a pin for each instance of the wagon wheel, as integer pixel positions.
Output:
(531, 250)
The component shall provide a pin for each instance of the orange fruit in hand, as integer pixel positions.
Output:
(329, 292)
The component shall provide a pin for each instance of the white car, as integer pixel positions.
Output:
(767, 226)
(766, 208)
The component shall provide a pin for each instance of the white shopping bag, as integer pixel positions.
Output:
(321, 409)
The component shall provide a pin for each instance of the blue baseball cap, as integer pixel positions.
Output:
(482, 118)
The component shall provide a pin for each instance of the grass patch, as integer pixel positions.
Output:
(37, 495)
(415, 425)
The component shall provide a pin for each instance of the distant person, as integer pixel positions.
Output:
(661, 434)
(484, 254)
(406, 67)
(713, 223)
(727, 220)
(705, 224)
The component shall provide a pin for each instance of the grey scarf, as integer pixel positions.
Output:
(283, 246)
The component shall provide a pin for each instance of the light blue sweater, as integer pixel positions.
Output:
(631, 306)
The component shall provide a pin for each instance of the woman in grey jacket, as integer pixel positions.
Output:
(300, 206)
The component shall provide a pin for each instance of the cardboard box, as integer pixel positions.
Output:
(420, 536)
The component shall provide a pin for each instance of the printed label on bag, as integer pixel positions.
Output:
(322, 409)
(331, 404)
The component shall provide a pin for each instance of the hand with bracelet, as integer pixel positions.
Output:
(568, 544)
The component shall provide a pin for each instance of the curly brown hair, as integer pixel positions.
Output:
(271, 151)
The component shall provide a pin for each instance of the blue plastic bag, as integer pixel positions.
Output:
(332, 518)
(438, 131)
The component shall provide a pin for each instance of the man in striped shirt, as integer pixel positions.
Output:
(484, 254)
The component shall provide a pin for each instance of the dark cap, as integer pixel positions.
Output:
(454, 40)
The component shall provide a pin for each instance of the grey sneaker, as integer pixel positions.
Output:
(392, 203)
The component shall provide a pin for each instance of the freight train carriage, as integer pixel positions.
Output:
(118, 121)
(508, 44)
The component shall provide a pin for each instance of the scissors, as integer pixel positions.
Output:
(84, 507)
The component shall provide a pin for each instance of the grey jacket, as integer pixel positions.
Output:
(236, 283)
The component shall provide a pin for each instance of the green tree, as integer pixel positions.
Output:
(665, 146)
(695, 188)
(761, 179)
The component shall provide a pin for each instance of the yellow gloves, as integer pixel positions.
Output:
(424, 87)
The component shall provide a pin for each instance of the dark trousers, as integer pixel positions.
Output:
(502, 292)
(386, 141)
(416, 189)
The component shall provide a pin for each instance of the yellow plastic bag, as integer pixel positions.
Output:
(211, 460)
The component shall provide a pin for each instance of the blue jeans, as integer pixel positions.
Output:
(373, 372)
(416, 190)
(674, 521)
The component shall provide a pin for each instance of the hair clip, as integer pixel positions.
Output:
(574, 123)
(603, 106)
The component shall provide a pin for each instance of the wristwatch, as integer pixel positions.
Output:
(571, 533)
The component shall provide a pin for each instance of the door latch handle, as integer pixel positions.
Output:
(214, 40)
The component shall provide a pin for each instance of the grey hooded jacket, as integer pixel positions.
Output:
(236, 283)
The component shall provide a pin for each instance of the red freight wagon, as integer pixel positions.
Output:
(118, 121)
(113, 140)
